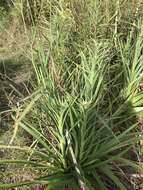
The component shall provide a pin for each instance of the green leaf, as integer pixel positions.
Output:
(109, 173)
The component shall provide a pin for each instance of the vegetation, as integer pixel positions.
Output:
(72, 100)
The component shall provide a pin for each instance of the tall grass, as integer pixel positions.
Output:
(83, 112)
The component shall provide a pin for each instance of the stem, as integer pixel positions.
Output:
(116, 21)
(77, 169)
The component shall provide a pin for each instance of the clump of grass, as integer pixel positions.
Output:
(81, 117)
(75, 135)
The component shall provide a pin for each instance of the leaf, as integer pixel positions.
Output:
(108, 172)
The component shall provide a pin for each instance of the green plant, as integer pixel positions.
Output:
(79, 145)
(132, 70)
(80, 118)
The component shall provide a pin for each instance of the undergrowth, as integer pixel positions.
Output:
(84, 99)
